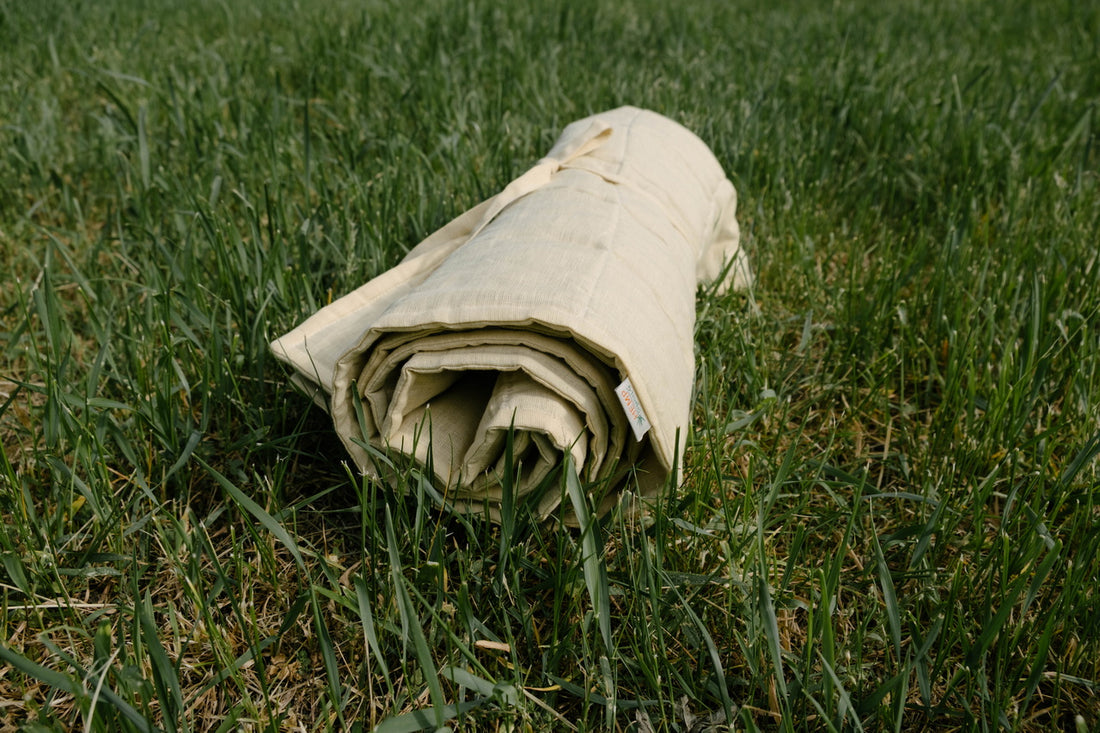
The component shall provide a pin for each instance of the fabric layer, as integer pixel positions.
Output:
(525, 313)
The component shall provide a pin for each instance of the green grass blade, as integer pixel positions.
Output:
(257, 512)
(370, 634)
(165, 675)
(592, 565)
(412, 629)
(889, 598)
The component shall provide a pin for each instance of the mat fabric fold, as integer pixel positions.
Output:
(562, 310)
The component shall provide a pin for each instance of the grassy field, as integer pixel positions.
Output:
(890, 518)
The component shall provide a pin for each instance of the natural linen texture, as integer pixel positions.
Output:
(528, 313)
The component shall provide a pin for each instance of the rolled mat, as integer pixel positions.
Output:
(560, 313)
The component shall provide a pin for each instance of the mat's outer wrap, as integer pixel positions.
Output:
(529, 310)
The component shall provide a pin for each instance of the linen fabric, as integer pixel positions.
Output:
(527, 312)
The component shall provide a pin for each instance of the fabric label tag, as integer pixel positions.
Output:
(633, 409)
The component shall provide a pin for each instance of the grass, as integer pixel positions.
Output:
(889, 516)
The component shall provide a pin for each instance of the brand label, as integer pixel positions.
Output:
(633, 409)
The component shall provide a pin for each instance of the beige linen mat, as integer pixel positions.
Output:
(562, 309)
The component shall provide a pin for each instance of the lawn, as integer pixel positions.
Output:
(890, 515)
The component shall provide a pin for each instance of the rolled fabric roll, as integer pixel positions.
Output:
(562, 310)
